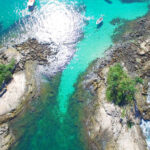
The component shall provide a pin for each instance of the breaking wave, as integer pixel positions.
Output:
(145, 125)
(55, 22)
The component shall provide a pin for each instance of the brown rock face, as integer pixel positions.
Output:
(107, 125)
(32, 50)
(29, 50)
(6, 138)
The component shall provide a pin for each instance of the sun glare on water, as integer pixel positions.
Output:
(59, 23)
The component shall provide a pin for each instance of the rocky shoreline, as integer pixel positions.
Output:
(28, 56)
(16, 104)
(107, 124)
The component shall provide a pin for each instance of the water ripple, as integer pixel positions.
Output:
(56, 22)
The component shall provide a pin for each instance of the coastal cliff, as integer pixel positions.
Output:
(108, 125)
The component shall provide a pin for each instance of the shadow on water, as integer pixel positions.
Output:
(108, 1)
(100, 25)
(132, 1)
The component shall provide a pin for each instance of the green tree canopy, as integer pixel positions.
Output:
(120, 88)
(6, 72)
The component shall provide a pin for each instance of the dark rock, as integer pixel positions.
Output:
(32, 50)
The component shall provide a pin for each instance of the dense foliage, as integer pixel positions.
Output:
(120, 88)
(6, 72)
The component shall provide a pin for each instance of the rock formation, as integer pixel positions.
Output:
(107, 124)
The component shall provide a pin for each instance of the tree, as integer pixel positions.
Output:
(6, 72)
(120, 88)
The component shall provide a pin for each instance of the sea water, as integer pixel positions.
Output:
(95, 41)
(72, 26)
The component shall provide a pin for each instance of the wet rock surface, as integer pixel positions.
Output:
(129, 30)
(29, 50)
(32, 50)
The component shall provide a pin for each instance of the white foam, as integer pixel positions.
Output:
(145, 125)
(57, 22)
(148, 92)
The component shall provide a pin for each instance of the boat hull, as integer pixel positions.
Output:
(99, 21)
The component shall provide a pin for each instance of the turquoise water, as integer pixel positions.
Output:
(51, 121)
(10, 12)
(96, 41)
(39, 128)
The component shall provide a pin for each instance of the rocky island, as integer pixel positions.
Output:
(109, 126)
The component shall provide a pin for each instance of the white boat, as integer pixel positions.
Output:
(31, 3)
(99, 20)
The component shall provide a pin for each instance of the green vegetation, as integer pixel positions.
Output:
(6, 72)
(123, 113)
(121, 88)
(138, 80)
(130, 124)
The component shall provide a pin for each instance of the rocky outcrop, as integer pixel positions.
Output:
(135, 57)
(27, 56)
(6, 137)
(16, 104)
(28, 93)
(32, 50)
(108, 126)
(23, 86)
(129, 30)
(27, 51)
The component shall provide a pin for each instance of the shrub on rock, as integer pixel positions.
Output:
(6, 72)
(120, 88)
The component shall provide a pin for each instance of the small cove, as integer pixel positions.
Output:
(41, 127)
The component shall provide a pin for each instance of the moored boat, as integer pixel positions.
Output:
(100, 20)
